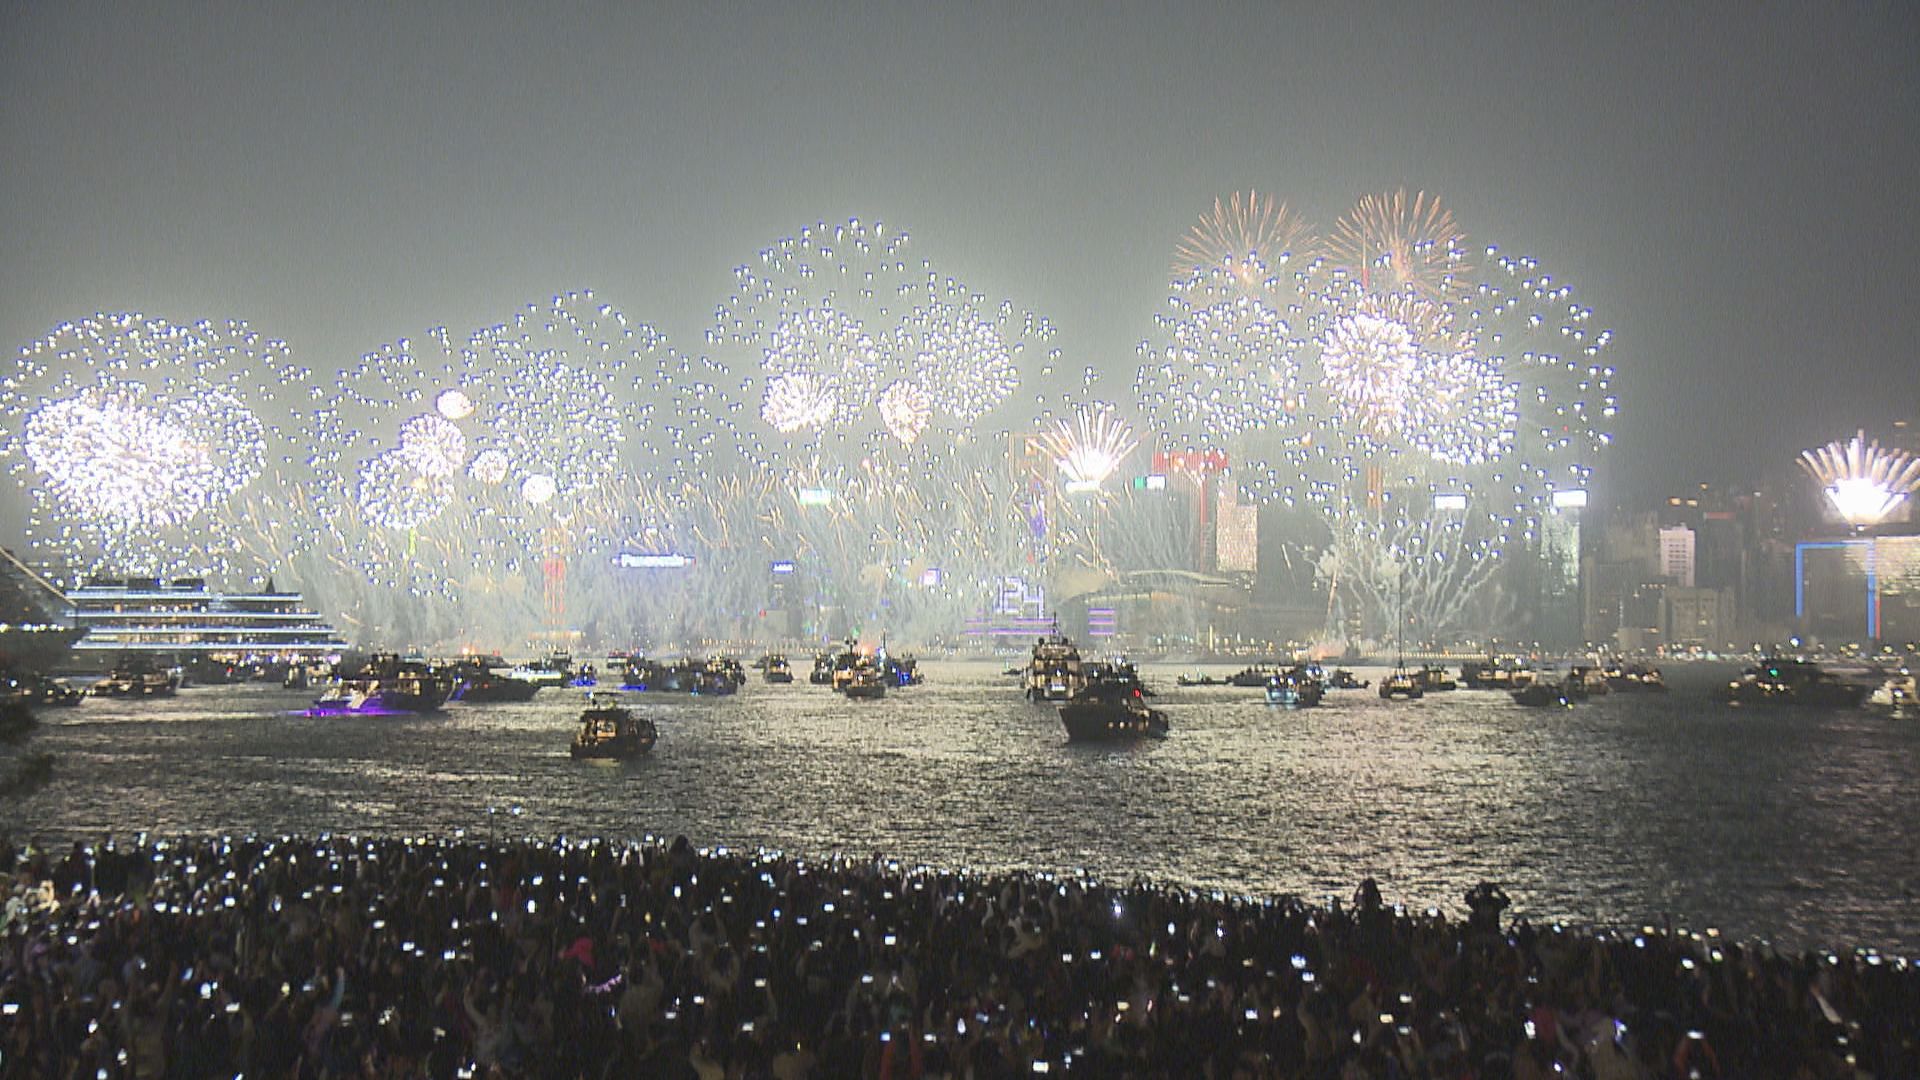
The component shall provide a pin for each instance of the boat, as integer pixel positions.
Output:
(1342, 679)
(610, 731)
(1631, 678)
(1281, 691)
(1541, 694)
(1401, 684)
(1196, 680)
(867, 681)
(553, 669)
(775, 669)
(1256, 676)
(1054, 671)
(306, 674)
(138, 675)
(1107, 711)
(220, 634)
(1791, 682)
(901, 670)
(822, 674)
(1897, 694)
(1585, 681)
(1302, 686)
(385, 684)
(33, 688)
(1434, 679)
(486, 680)
(1496, 673)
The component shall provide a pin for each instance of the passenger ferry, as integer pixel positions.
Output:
(170, 622)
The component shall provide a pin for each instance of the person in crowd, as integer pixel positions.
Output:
(401, 956)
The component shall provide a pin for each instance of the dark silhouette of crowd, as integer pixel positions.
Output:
(404, 957)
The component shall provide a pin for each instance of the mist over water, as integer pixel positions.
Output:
(1798, 826)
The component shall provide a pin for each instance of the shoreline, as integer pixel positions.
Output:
(430, 955)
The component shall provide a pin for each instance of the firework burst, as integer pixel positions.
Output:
(1247, 235)
(1091, 448)
(133, 434)
(1400, 244)
(1864, 482)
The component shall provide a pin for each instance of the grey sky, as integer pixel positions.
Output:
(1730, 189)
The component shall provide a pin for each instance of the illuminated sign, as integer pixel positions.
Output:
(1079, 486)
(782, 566)
(1150, 482)
(931, 577)
(815, 497)
(1572, 498)
(652, 560)
(1449, 502)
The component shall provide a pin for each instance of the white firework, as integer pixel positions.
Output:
(1091, 448)
(433, 445)
(905, 408)
(134, 434)
(490, 466)
(1368, 364)
(1864, 482)
(798, 400)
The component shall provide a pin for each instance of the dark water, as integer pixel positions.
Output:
(1802, 827)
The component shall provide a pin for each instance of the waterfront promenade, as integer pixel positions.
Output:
(330, 956)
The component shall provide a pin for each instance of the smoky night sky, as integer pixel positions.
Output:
(1730, 190)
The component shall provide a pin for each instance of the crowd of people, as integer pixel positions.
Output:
(331, 956)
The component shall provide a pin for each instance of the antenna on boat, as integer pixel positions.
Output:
(1400, 619)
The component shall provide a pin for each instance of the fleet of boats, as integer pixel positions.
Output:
(1781, 681)
(1097, 700)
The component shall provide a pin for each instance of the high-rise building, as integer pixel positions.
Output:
(1676, 555)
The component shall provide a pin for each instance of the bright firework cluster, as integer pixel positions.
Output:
(134, 435)
(1863, 481)
(907, 442)
(838, 342)
(1367, 370)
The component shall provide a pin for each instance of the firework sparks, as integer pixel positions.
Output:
(133, 434)
(1864, 481)
(1091, 448)
(1248, 235)
(906, 409)
(1397, 244)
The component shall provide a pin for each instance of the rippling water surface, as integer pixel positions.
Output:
(1802, 827)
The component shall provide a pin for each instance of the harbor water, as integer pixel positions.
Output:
(1800, 827)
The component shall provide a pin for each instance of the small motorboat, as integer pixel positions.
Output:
(137, 677)
(1282, 692)
(1541, 694)
(1402, 684)
(775, 669)
(1342, 679)
(386, 685)
(1111, 711)
(1897, 694)
(610, 731)
(866, 682)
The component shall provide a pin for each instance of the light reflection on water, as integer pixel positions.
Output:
(1802, 827)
